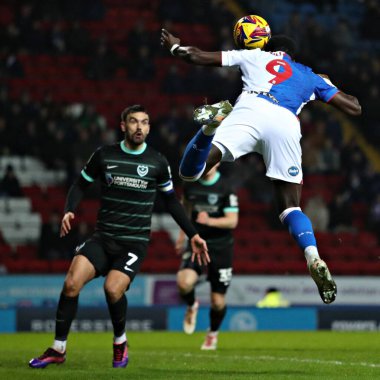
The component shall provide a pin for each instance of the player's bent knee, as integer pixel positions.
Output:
(185, 285)
(218, 301)
(71, 287)
(113, 294)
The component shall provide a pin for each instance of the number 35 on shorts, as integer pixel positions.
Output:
(225, 275)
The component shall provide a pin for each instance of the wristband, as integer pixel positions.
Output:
(173, 48)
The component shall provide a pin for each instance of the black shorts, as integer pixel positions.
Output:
(107, 254)
(219, 270)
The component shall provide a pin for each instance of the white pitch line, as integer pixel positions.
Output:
(268, 358)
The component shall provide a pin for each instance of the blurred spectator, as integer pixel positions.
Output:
(371, 115)
(353, 158)
(12, 67)
(78, 40)
(139, 36)
(173, 83)
(103, 63)
(341, 212)
(329, 157)
(24, 18)
(141, 65)
(316, 209)
(5, 140)
(343, 36)
(57, 41)
(10, 185)
(35, 41)
(89, 118)
(374, 217)
(273, 298)
(369, 26)
(51, 246)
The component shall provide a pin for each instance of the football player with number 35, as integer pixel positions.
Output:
(213, 207)
(264, 120)
(131, 173)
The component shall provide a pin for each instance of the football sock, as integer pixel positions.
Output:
(311, 253)
(118, 313)
(300, 228)
(194, 159)
(216, 318)
(120, 339)
(66, 311)
(59, 345)
(189, 298)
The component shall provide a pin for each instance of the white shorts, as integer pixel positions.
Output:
(257, 125)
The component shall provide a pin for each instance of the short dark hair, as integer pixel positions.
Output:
(132, 109)
(281, 43)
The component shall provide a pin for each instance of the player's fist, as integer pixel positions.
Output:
(168, 40)
(65, 224)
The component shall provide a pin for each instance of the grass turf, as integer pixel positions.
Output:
(169, 355)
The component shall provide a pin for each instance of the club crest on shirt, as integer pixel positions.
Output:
(142, 170)
(109, 179)
(212, 199)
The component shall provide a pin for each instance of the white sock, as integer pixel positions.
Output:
(120, 339)
(208, 130)
(213, 333)
(59, 345)
(311, 253)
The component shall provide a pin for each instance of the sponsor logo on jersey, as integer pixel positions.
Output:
(212, 198)
(119, 180)
(142, 170)
(208, 208)
(293, 171)
(112, 166)
(136, 183)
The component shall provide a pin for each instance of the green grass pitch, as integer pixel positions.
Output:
(168, 355)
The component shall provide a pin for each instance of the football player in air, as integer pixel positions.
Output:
(213, 207)
(264, 120)
(131, 173)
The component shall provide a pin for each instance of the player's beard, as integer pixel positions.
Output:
(135, 139)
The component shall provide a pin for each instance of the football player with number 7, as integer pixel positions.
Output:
(264, 120)
(131, 174)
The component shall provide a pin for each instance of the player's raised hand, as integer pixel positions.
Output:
(168, 40)
(200, 250)
(65, 224)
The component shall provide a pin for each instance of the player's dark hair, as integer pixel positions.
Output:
(281, 43)
(132, 109)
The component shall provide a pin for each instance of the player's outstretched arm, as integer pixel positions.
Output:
(349, 104)
(190, 54)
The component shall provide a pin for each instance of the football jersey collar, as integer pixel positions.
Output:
(130, 151)
(210, 182)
